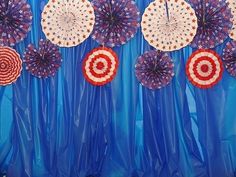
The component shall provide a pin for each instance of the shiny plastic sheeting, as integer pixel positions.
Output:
(65, 127)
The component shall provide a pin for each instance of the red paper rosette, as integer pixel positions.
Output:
(10, 65)
(204, 68)
(100, 66)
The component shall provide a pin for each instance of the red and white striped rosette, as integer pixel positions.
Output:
(204, 68)
(100, 66)
(10, 65)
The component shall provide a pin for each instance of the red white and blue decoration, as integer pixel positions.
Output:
(204, 68)
(43, 62)
(169, 25)
(117, 21)
(232, 6)
(214, 22)
(10, 65)
(229, 58)
(154, 69)
(15, 21)
(100, 66)
(68, 23)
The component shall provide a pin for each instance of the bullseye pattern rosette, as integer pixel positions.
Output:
(116, 21)
(169, 25)
(229, 58)
(10, 65)
(15, 21)
(154, 69)
(43, 62)
(68, 23)
(232, 6)
(214, 22)
(204, 68)
(100, 66)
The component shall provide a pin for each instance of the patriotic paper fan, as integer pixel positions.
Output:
(116, 21)
(15, 21)
(229, 58)
(214, 22)
(232, 6)
(204, 68)
(10, 65)
(100, 66)
(43, 62)
(68, 23)
(169, 24)
(154, 69)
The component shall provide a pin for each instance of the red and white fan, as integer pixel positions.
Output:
(10, 65)
(100, 66)
(68, 23)
(204, 68)
(169, 25)
(232, 6)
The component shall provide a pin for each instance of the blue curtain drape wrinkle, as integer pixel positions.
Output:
(214, 114)
(169, 140)
(5, 126)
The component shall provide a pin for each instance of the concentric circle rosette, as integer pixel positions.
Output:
(15, 21)
(229, 58)
(100, 66)
(169, 25)
(232, 6)
(68, 23)
(204, 68)
(154, 69)
(116, 21)
(214, 22)
(43, 62)
(10, 65)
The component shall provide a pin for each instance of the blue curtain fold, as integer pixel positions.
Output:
(170, 145)
(215, 119)
(65, 127)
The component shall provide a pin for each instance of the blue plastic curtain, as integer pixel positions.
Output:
(65, 127)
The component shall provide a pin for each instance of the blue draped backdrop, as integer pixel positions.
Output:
(65, 127)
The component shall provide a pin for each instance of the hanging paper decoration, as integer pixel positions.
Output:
(10, 65)
(204, 68)
(214, 22)
(229, 58)
(100, 66)
(15, 21)
(116, 21)
(154, 69)
(68, 23)
(232, 6)
(169, 24)
(43, 62)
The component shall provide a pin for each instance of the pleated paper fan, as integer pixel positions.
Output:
(154, 69)
(232, 6)
(169, 25)
(204, 68)
(15, 21)
(214, 22)
(229, 58)
(43, 62)
(117, 21)
(68, 23)
(100, 66)
(10, 65)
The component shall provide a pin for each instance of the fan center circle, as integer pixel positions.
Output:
(100, 65)
(3, 65)
(69, 18)
(205, 68)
